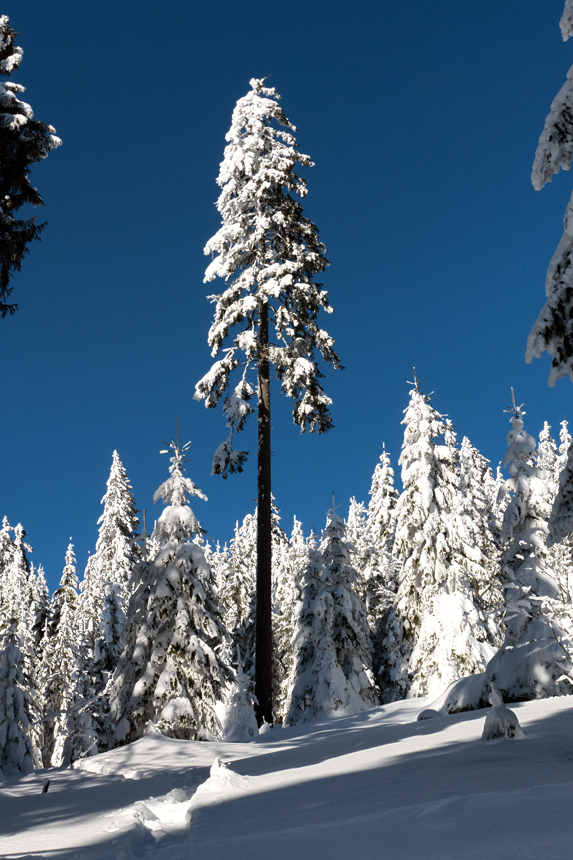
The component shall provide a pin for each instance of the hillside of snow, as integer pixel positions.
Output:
(379, 784)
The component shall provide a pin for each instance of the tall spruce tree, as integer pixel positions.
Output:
(170, 671)
(269, 254)
(23, 141)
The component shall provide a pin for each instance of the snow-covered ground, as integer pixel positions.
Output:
(377, 785)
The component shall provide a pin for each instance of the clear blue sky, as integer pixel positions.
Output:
(422, 120)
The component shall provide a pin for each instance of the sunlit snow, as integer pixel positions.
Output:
(379, 784)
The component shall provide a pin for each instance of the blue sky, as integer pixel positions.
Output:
(422, 120)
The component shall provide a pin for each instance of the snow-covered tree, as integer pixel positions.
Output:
(83, 715)
(170, 672)
(479, 498)
(285, 611)
(108, 645)
(298, 550)
(437, 631)
(23, 141)
(561, 518)
(269, 254)
(566, 22)
(331, 671)
(382, 505)
(66, 592)
(40, 604)
(59, 663)
(553, 330)
(17, 579)
(548, 456)
(17, 709)
(117, 549)
(560, 534)
(356, 535)
(238, 596)
(371, 532)
(6, 553)
(533, 661)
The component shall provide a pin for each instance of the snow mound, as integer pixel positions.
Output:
(222, 782)
(428, 714)
(501, 723)
(467, 694)
(238, 721)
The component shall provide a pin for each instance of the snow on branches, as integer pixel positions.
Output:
(23, 141)
(268, 253)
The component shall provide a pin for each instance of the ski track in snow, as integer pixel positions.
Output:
(377, 785)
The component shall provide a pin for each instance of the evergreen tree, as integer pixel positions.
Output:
(66, 593)
(41, 605)
(356, 535)
(17, 753)
(269, 253)
(547, 456)
(6, 553)
(532, 662)
(23, 141)
(561, 518)
(553, 330)
(59, 664)
(17, 577)
(170, 672)
(285, 611)
(332, 644)
(560, 535)
(20, 609)
(108, 645)
(83, 728)
(566, 22)
(238, 596)
(478, 494)
(298, 552)
(564, 443)
(374, 541)
(382, 506)
(438, 631)
(117, 549)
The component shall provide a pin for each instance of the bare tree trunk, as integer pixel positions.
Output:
(264, 643)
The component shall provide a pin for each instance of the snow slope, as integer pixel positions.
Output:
(377, 785)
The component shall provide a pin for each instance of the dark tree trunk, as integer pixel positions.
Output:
(264, 643)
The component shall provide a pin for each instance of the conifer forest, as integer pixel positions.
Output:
(452, 579)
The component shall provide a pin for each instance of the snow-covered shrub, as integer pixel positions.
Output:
(428, 714)
(500, 722)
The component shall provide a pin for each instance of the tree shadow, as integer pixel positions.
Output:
(456, 775)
